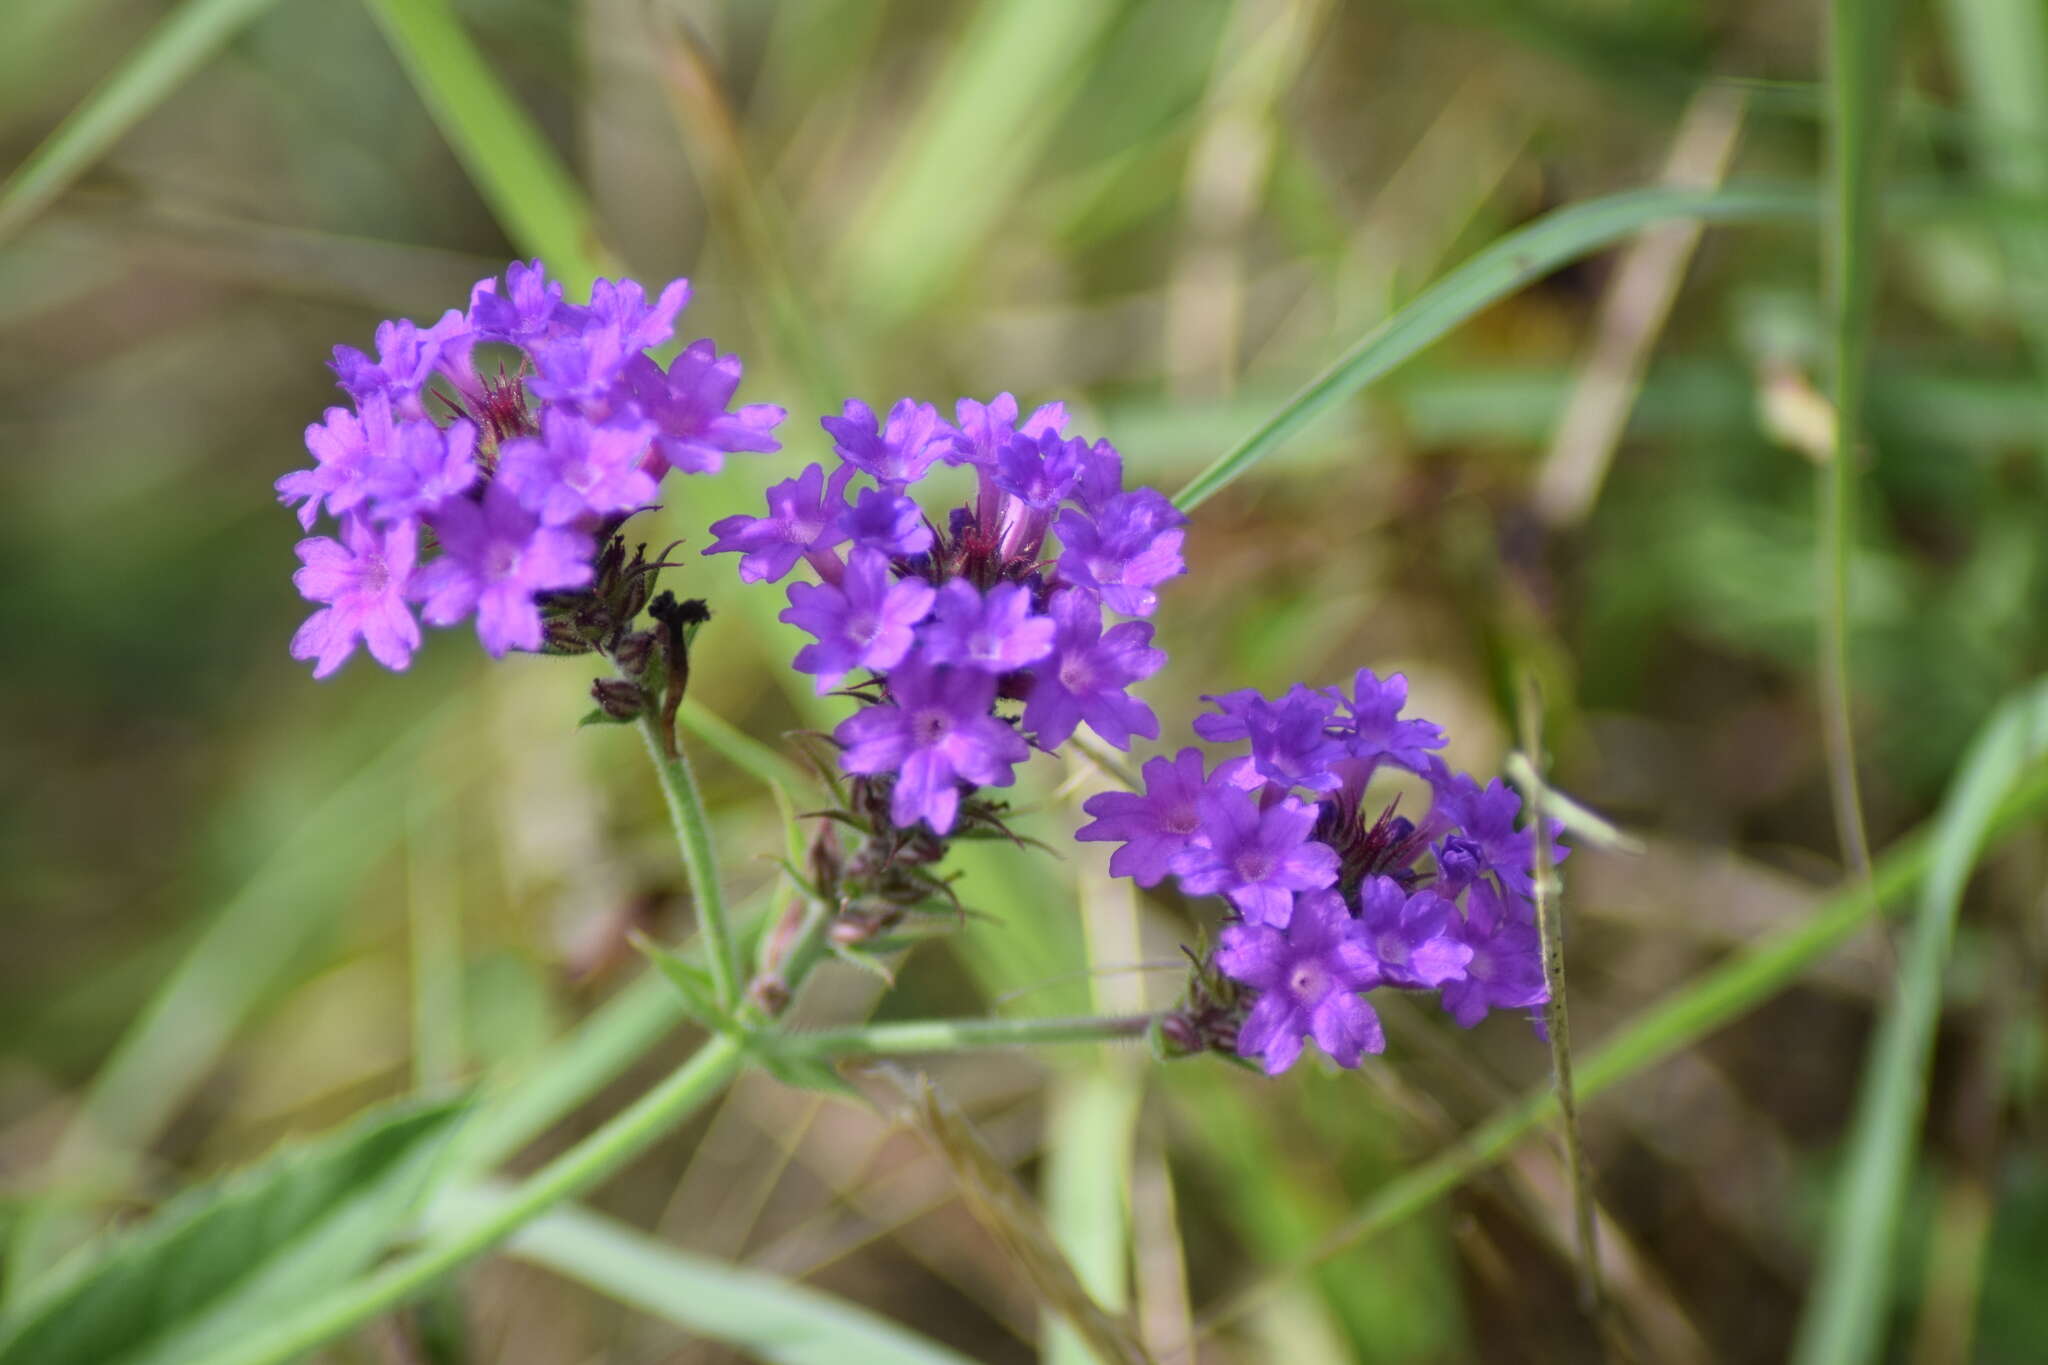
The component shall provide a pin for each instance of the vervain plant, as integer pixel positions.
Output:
(488, 470)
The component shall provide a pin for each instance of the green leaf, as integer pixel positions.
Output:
(692, 982)
(1519, 258)
(532, 194)
(803, 1073)
(176, 48)
(1851, 1302)
(764, 1316)
(222, 1260)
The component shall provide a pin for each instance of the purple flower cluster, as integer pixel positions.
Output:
(1003, 600)
(1330, 903)
(513, 478)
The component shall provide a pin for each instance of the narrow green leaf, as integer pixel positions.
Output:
(1519, 258)
(1846, 1317)
(1085, 1187)
(532, 194)
(766, 1317)
(692, 982)
(159, 64)
(222, 1260)
(1016, 67)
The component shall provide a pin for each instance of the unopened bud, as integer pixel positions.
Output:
(618, 698)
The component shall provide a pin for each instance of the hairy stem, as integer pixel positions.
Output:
(700, 864)
(960, 1035)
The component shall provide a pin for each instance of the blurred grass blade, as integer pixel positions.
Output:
(176, 48)
(766, 1317)
(1860, 40)
(531, 193)
(1085, 1186)
(1848, 1314)
(1000, 1204)
(1521, 257)
(1720, 996)
(966, 152)
(220, 1261)
(251, 942)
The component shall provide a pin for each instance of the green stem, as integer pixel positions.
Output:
(700, 863)
(959, 1035)
(583, 1166)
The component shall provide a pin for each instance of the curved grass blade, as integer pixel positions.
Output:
(1846, 1317)
(531, 193)
(174, 49)
(1519, 258)
(221, 1261)
(765, 1316)
(1717, 998)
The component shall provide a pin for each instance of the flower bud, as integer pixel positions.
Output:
(618, 698)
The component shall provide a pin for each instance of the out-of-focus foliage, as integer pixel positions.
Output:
(1170, 213)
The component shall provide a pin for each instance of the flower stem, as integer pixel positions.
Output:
(959, 1035)
(700, 864)
(628, 1134)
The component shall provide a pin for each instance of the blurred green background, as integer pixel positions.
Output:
(1170, 213)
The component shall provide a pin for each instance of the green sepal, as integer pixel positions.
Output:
(596, 716)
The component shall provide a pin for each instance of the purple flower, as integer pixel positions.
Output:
(526, 310)
(885, 520)
(1487, 818)
(406, 358)
(803, 519)
(689, 404)
(1413, 937)
(984, 428)
(1102, 478)
(581, 367)
(1040, 472)
(1307, 980)
(495, 556)
(415, 465)
(1087, 675)
(865, 622)
(1290, 739)
(577, 468)
(1155, 826)
(1131, 545)
(340, 451)
(1256, 856)
(1377, 730)
(362, 579)
(622, 308)
(896, 454)
(995, 633)
(1505, 971)
(935, 732)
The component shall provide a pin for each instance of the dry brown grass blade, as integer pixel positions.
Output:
(1005, 1208)
(1632, 315)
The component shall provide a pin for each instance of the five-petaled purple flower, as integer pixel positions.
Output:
(934, 733)
(1156, 825)
(496, 558)
(1257, 858)
(865, 622)
(1307, 978)
(363, 579)
(1088, 676)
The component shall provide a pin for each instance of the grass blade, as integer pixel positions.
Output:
(1717, 998)
(1846, 1317)
(176, 48)
(1015, 68)
(1523, 256)
(1860, 38)
(534, 197)
(209, 1269)
(763, 1315)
